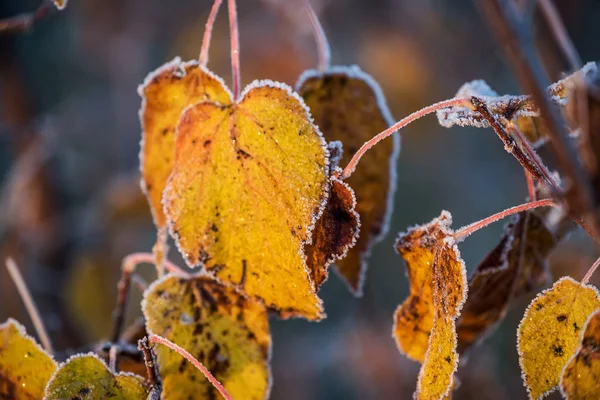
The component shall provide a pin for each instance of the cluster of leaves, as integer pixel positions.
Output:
(249, 186)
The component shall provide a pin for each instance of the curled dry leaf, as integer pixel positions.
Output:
(248, 181)
(335, 232)
(425, 323)
(580, 379)
(25, 367)
(227, 332)
(549, 332)
(85, 376)
(518, 264)
(348, 105)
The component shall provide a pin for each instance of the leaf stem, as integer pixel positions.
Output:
(465, 231)
(32, 310)
(210, 23)
(166, 342)
(530, 186)
(457, 101)
(591, 271)
(320, 37)
(235, 49)
(152, 372)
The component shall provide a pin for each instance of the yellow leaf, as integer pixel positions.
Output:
(425, 323)
(227, 332)
(248, 181)
(25, 367)
(85, 376)
(348, 105)
(165, 93)
(581, 377)
(549, 332)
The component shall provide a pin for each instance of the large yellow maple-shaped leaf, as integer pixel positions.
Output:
(227, 332)
(248, 181)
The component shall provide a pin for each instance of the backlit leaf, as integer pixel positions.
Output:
(85, 376)
(165, 93)
(348, 106)
(227, 332)
(549, 332)
(425, 323)
(516, 265)
(581, 377)
(248, 181)
(335, 232)
(25, 367)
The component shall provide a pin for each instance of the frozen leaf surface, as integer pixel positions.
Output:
(25, 367)
(549, 332)
(227, 332)
(348, 106)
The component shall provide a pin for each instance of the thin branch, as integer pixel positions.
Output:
(235, 49)
(516, 36)
(166, 342)
(320, 37)
(34, 314)
(560, 34)
(530, 186)
(24, 22)
(399, 125)
(465, 231)
(591, 271)
(152, 372)
(210, 23)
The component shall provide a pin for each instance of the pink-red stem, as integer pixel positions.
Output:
(184, 353)
(530, 186)
(462, 233)
(235, 49)
(210, 23)
(399, 125)
(591, 271)
(320, 37)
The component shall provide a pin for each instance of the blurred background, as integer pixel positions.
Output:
(71, 207)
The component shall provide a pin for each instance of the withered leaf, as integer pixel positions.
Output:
(348, 105)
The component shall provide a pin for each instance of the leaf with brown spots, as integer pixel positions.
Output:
(425, 323)
(85, 376)
(25, 367)
(348, 105)
(249, 180)
(335, 232)
(518, 264)
(224, 330)
(581, 377)
(549, 333)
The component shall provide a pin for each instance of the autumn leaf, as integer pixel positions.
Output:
(518, 264)
(335, 232)
(226, 331)
(581, 377)
(25, 367)
(549, 332)
(165, 93)
(425, 323)
(348, 105)
(85, 376)
(248, 181)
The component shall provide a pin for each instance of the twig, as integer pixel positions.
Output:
(320, 37)
(235, 49)
(591, 271)
(24, 22)
(34, 314)
(465, 231)
(203, 59)
(505, 20)
(530, 186)
(166, 342)
(152, 373)
(560, 34)
(399, 125)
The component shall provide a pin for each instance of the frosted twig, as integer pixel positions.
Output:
(399, 125)
(530, 186)
(210, 23)
(34, 314)
(235, 49)
(320, 37)
(199, 366)
(152, 372)
(590, 272)
(22, 23)
(465, 231)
